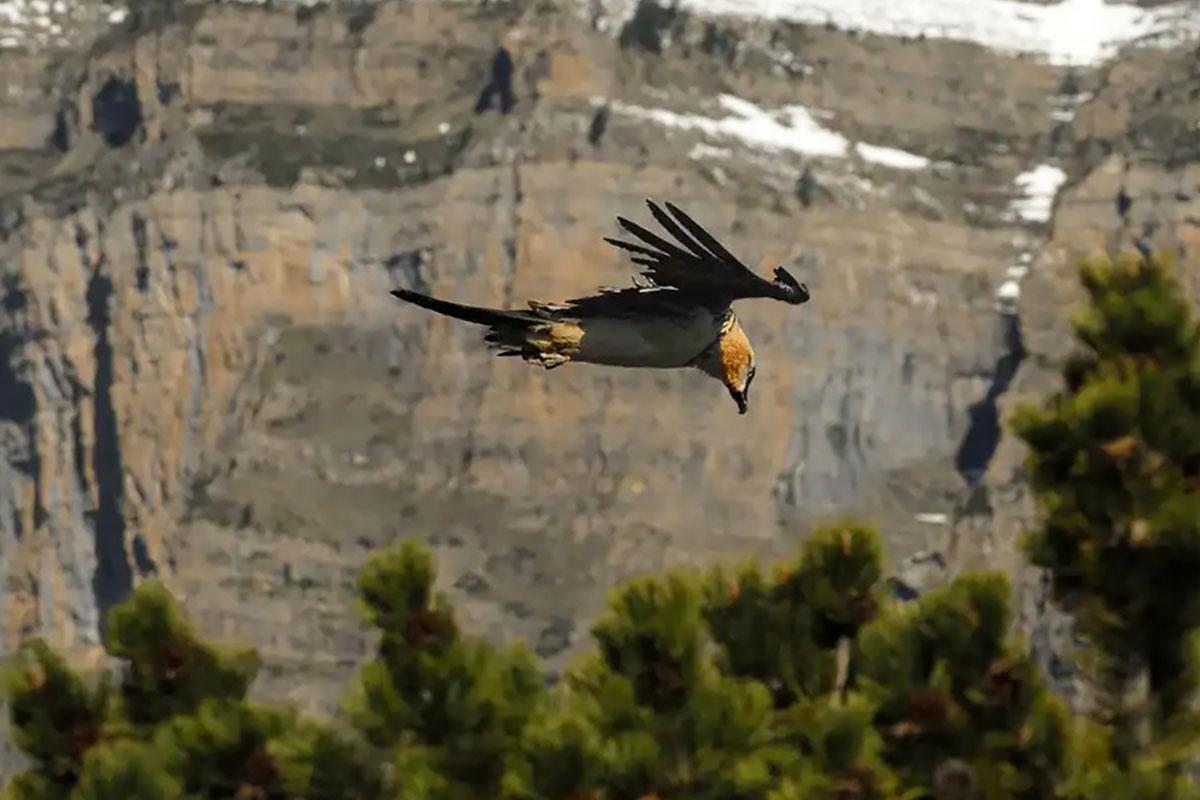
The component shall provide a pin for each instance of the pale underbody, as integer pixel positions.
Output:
(662, 342)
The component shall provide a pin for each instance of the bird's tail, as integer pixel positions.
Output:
(533, 335)
(476, 314)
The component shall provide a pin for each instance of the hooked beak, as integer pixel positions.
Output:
(790, 290)
(740, 398)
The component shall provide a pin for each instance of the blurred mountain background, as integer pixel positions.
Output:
(203, 206)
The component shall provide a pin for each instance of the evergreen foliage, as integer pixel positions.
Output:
(173, 722)
(650, 714)
(804, 681)
(170, 671)
(1115, 463)
(452, 708)
(55, 719)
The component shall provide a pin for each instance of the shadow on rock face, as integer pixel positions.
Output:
(117, 111)
(983, 435)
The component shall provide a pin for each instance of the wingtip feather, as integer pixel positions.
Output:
(629, 225)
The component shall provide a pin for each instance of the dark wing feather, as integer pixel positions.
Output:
(683, 238)
(653, 239)
(631, 301)
(700, 265)
(706, 238)
(633, 248)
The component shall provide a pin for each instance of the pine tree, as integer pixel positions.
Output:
(802, 684)
(1115, 464)
(957, 701)
(786, 631)
(933, 695)
(793, 632)
(649, 714)
(169, 670)
(173, 722)
(125, 769)
(452, 709)
(55, 718)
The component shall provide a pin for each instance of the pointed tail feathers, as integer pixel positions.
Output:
(476, 314)
(531, 335)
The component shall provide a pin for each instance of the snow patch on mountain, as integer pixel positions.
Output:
(40, 23)
(1038, 187)
(1070, 32)
(790, 128)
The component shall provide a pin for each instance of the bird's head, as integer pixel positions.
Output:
(788, 289)
(731, 361)
(739, 389)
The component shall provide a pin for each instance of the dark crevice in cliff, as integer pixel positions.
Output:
(166, 91)
(18, 402)
(723, 43)
(360, 18)
(598, 126)
(12, 297)
(499, 86)
(78, 449)
(117, 111)
(79, 392)
(146, 566)
(650, 25)
(113, 579)
(142, 270)
(60, 137)
(983, 435)
(198, 353)
(12, 215)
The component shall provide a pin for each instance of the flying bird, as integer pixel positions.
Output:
(678, 314)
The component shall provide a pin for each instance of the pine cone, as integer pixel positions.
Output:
(1003, 682)
(927, 708)
(859, 784)
(863, 606)
(260, 770)
(1119, 450)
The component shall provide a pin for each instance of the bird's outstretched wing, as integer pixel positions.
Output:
(699, 264)
(637, 301)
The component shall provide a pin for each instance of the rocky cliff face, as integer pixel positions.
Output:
(203, 378)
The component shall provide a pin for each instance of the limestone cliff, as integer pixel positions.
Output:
(203, 378)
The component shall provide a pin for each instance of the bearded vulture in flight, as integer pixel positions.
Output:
(679, 315)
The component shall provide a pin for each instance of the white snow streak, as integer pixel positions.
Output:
(891, 157)
(1076, 32)
(38, 23)
(791, 128)
(1038, 188)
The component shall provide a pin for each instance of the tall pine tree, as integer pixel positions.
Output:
(1115, 465)
(172, 722)
(451, 709)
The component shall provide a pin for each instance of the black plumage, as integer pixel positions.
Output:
(705, 270)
